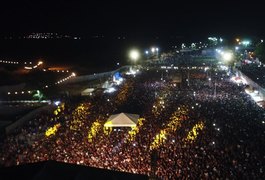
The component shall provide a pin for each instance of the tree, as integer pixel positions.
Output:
(260, 52)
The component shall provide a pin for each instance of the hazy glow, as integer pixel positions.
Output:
(134, 55)
(227, 56)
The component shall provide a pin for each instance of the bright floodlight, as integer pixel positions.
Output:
(153, 50)
(227, 56)
(134, 55)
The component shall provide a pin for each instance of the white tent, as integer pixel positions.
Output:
(122, 120)
(87, 91)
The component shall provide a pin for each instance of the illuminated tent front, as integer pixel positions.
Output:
(122, 120)
(87, 91)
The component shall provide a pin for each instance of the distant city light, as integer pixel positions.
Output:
(212, 38)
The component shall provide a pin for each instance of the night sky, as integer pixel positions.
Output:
(136, 18)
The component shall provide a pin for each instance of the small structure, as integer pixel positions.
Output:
(122, 120)
(87, 91)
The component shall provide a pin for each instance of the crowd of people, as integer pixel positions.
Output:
(187, 131)
(255, 71)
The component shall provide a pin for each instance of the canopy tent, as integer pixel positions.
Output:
(122, 120)
(87, 91)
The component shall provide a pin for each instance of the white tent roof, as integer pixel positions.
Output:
(87, 91)
(122, 120)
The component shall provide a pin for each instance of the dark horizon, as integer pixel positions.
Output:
(139, 19)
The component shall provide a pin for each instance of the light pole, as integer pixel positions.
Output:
(227, 58)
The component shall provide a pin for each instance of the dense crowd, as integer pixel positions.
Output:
(186, 131)
(255, 72)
